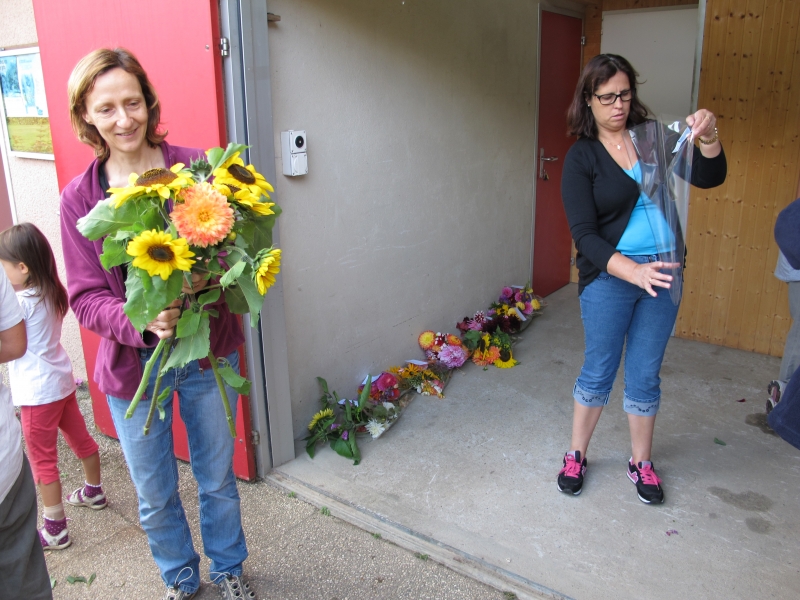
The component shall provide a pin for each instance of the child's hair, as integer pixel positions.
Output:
(24, 243)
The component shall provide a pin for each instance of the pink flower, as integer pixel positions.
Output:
(528, 308)
(507, 293)
(452, 356)
(475, 325)
(386, 381)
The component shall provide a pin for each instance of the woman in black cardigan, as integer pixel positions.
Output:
(624, 294)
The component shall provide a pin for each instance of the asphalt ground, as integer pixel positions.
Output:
(296, 550)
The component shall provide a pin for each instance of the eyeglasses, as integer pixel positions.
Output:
(606, 99)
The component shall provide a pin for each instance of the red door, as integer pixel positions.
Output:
(559, 69)
(177, 43)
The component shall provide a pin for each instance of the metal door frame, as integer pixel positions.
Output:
(248, 108)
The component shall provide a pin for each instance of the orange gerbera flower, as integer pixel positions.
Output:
(426, 339)
(203, 216)
(484, 358)
(453, 340)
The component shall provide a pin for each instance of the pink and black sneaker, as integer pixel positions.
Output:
(648, 484)
(55, 534)
(570, 477)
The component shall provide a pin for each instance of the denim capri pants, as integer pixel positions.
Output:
(618, 314)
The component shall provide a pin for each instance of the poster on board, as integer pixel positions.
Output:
(24, 109)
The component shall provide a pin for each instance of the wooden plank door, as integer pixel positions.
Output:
(177, 42)
(559, 69)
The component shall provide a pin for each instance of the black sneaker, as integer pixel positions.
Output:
(570, 478)
(648, 485)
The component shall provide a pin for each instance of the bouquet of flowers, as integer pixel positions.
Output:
(444, 348)
(340, 419)
(426, 379)
(490, 349)
(169, 224)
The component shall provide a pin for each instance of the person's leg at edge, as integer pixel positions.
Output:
(23, 570)
(83, 445)
(211, 448)
(584, 420)
(154, 471)
(642, 429)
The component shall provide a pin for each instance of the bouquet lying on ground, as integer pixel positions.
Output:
(168, 224)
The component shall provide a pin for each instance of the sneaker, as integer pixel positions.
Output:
(648, 485)
(234, 587)
(177, 594)
(55, 534)
(570, 477)
(80, 498)
(774, 391)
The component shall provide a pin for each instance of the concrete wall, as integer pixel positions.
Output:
(33, 182)
(418, 204)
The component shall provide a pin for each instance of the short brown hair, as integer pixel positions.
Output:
(580, 120)
(81, 82)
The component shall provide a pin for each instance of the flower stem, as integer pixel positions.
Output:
(156, 386)
(221, 386)
(148, 367)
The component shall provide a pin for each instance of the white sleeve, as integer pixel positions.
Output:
(10, 312)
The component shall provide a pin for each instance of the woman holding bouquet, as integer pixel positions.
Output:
(624, 294)
(114, 109)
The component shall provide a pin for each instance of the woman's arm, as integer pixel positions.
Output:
(13, 342)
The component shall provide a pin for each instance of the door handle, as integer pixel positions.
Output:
(542, 159)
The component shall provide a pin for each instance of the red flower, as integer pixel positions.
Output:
(386, 381)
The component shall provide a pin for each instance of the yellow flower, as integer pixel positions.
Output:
(269, 267)
(506, 361)
(158, 253)
(153, 183)
(536, 304)
(325, 413)
(234, 172)
(203, 215)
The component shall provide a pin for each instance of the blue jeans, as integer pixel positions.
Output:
(154, 470)
(616, 313)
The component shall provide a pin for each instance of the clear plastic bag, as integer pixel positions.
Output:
(665, 149)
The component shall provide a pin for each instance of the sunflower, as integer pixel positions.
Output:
(325, 413)
(158, 253)
(155, 183)
(505, 361)
(269, 266)
(234, 172)
(203, 215)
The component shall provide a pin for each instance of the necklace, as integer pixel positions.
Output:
(618, 146)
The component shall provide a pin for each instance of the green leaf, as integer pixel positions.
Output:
(236, 381)
(237, 303)
(188, 324)
(214, 155)
(254, 299)
(209, 297)
(104, 219)
(52, 582)
(354, 447)
(229, 151)
(163, 292)
(135, 303)
(114, 253)
(92, 577)
(191, 347)
(233, 274)
(162, 414)
(364, 395)
(323, 384)
(720, 442)
(342, 448)
(76, 579)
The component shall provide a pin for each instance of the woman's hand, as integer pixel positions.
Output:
(164, 324)
(704, 127)
(647, 276)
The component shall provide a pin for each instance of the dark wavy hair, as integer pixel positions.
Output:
(580, 120)
(81, 83)
(24, 243)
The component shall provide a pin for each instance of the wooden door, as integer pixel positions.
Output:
(559, 69)
(177, 43)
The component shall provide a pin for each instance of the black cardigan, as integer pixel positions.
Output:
(599, 198)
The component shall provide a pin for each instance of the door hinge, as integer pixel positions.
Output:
(583, 40)
(224, 47)
(255, 438)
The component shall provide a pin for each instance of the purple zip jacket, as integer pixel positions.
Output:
(97, 296)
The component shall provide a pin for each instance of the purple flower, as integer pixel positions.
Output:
(452, 356)
(345, 435)
(475, 326)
